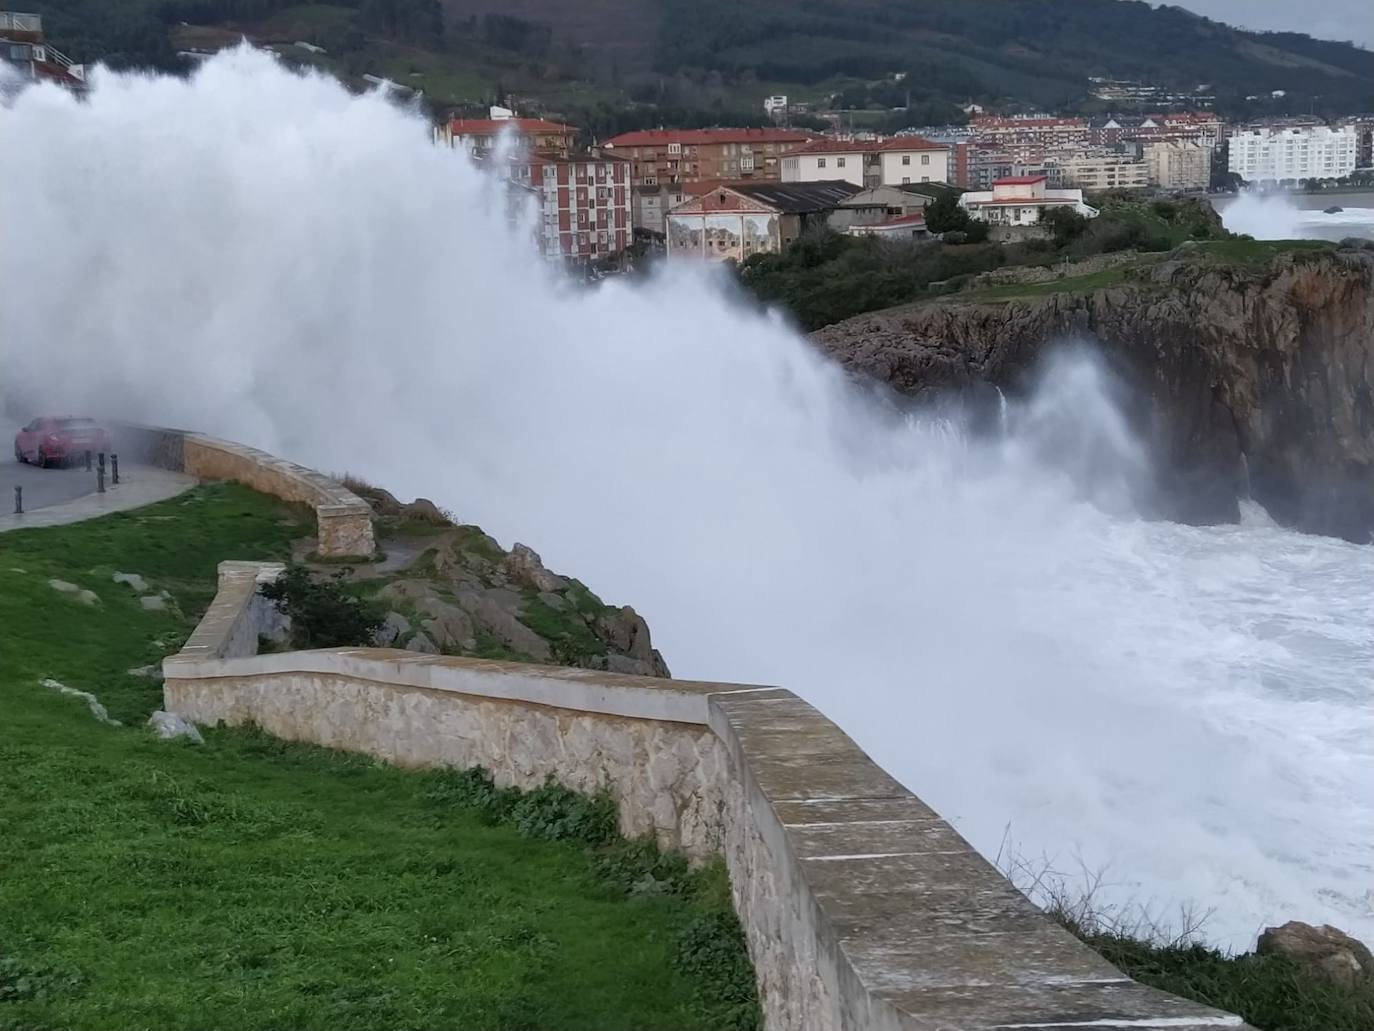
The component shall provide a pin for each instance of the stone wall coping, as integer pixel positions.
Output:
(583, 690)
(917, 930)
(329, 496)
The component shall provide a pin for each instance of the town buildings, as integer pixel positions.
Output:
(24, 51)
(1021, 201)
(670, 157)
(1292, 153)
(879, 204)
(737, 221)
(867, 163)
(1179, 166)
(900, 228)
(480, 136)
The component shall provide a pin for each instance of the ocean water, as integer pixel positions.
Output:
(1182, 713)
(1298, 216)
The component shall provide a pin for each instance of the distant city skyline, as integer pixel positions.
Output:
(1324, 19)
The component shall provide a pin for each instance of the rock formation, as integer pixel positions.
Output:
(1327, 951)
(1243, 377)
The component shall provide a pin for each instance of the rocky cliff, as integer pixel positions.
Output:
(1243, 377)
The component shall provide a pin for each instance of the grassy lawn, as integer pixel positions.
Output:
(254, 884)
(1073, 284)
(1258, 252)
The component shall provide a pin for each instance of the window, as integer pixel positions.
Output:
(925, 159)
(839, 162)
(925, 178)
(675, 148)
(906, 159)
(650, 180)
(906, 179)
(820, 162)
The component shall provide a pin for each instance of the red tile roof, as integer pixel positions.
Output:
(1020, 180)
(492, 126)
(869, 146)
(652, 137)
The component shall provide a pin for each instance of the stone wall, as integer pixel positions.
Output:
(862, 908)
(344, 519)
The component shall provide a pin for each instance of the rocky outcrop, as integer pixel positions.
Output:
(1243, 378)
(1326, 951)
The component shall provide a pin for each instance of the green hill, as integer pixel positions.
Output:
(618, 63)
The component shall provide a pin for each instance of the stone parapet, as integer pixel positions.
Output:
(344, 520)
(863, 909)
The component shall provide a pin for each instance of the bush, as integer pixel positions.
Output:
(322, 614)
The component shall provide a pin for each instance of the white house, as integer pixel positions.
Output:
(868, 163)
(1020, 201)
(1295, 152)
(901, 227)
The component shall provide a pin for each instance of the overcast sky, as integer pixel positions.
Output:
(1327, 19)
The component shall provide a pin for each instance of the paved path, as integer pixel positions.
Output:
(56, 496)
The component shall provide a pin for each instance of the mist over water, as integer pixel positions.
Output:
(1297, 216)
(264, 257)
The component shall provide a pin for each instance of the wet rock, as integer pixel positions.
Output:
(153, 602)
(407, 591)
(1326, 951)
(625, 629)
(169, 726)
(383, 502)
(92, 702)
(554, 601)
(150, 672)
(524, 567)
(79, 594)
(393, 628)
(133, 580)
(636, 667)
(421, 643)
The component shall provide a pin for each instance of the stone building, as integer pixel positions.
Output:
(1179, 166)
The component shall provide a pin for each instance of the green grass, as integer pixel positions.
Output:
(1242, 251)
(255, 884)
(1270, 992)
(1071, 285)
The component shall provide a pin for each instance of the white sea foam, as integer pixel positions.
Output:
(267, 258)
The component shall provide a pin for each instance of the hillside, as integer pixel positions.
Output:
(618, 63)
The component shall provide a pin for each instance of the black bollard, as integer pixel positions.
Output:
(100, 477)
(114, 470)
(88, 461)
(18, 500)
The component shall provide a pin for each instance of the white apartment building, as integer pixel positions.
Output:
(1103, 172)
(1292, 153)
(868, 163)
(1179, 166)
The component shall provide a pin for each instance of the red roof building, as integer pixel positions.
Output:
(677, 156)
(480, 135)
(23, 48)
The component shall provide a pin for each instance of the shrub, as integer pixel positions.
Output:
(322, 614)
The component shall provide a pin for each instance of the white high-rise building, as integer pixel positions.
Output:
(1292, 153)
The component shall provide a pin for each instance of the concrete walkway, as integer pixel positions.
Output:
(138, 486)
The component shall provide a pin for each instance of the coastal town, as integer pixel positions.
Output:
(726, 193)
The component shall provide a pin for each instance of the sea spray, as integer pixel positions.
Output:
(263, 256)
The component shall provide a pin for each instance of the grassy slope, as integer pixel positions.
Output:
(253, 884)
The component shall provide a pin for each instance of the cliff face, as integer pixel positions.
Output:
(1240, 377)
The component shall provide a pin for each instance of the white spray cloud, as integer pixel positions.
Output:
(265, 257)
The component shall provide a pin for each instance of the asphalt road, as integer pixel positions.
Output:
(43, 487)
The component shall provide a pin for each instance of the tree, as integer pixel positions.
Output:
(1065, 224)
(943, 215)
(322, 615)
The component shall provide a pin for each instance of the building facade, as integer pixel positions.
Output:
(1094, 172)
(480, 136)
(1292, 153)
(869, 163)
(24, 50)
(584, 205)
(670, 157)
(1179, 166)
(1021, 201)
(733, 223)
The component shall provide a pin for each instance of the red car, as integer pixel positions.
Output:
(54, 440)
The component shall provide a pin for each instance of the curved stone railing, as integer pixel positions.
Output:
(862, 908)
(344, 519)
